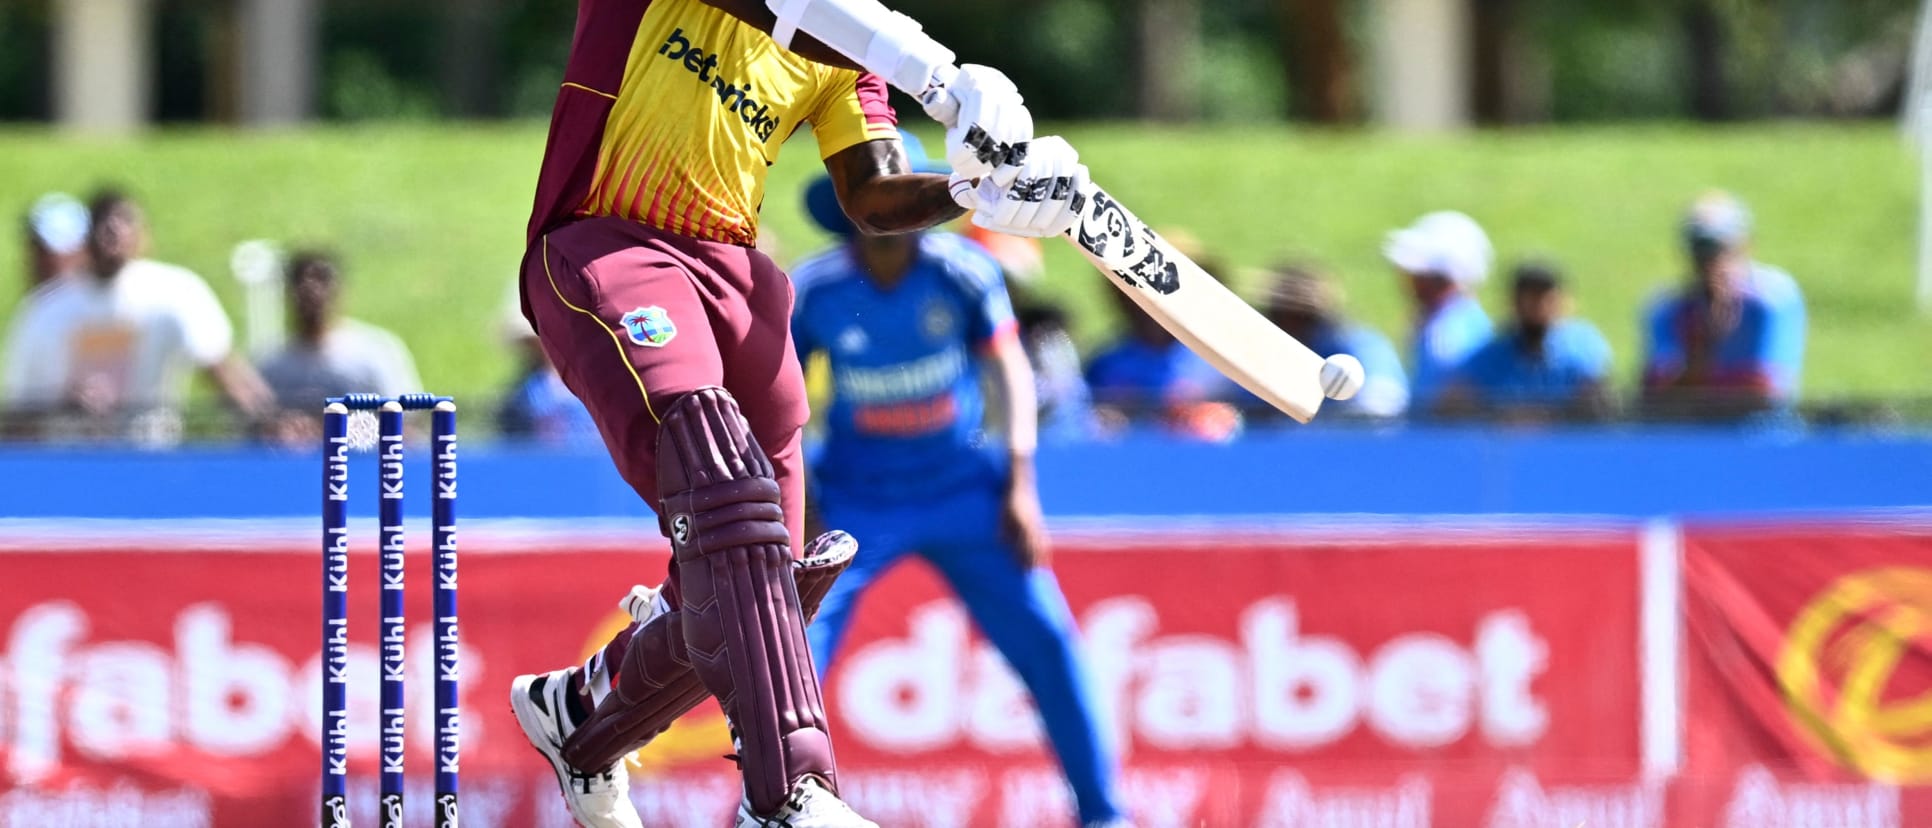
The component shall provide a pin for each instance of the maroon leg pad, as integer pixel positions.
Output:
(743, 625)
(655, 684)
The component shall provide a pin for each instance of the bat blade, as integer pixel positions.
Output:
(1197, 308)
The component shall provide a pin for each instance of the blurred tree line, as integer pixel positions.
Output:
(1223, 60)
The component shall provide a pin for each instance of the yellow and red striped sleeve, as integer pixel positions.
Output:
(852, 109)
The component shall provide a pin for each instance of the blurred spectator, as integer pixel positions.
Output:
(56, 239)
(1445, 256)
(768, 243)
(1731, 342)
(118, 343)
(538, 406)
(56, 248)
(1019, 256)
(1066, 405)
(1307, 306)
(1544, 366)
(327, 354)
(1148, 376)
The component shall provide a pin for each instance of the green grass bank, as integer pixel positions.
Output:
(430, 219)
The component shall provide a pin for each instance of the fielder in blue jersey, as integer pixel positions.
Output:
(907, 323)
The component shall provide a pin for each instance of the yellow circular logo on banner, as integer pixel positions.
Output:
(702, 734)
(1844, 672)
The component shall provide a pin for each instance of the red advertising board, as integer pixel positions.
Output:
(1808, 675)
(1408, 678)
(1389, 675)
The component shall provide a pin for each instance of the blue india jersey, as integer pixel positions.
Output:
(1133, 373)
(1444, 339)
(1575, 356)
(1768, 343)
(1787, 302)
(907, 409)
(1748, 354)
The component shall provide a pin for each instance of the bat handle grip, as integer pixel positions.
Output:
(939, 101)
(1082, 205)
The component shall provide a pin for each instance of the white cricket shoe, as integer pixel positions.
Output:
(596, 800)
(811, 806)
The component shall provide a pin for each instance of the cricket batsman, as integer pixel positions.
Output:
(642, 283)
(907, 322)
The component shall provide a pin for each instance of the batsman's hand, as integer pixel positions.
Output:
(1034, 196)
(992, 119)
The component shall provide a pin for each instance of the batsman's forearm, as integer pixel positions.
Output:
(889, 204)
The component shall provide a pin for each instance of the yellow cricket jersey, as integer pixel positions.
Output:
(672, 111)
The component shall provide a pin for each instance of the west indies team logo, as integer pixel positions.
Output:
(650, 326)
(1856, 671)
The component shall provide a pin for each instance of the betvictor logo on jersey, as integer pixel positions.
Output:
(735, 97)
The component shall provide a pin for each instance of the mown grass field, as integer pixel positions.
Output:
(430, 219)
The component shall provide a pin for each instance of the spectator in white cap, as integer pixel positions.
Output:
(56, 247)
(120, 343)
(56, 238)
(1731, 341)
(1444, 256)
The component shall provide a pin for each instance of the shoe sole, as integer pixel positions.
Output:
(535, 726)
(746, 819)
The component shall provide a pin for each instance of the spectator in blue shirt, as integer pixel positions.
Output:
(1731, 342)
(1444, 257)
(1307, 306)
(1066, 406)
(1545, 366)
(537, 407)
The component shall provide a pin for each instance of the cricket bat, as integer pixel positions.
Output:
(1197, 308)
(1190, 303)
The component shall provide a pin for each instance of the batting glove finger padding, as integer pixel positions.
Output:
(1039, 200)
(993, 119)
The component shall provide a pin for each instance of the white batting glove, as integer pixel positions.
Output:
(992, 119)
(644, 603)
(1038, 201)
